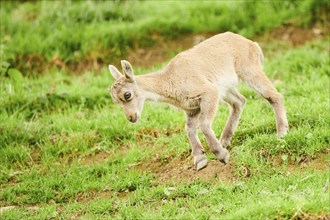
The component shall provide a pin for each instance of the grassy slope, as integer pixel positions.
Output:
(40, 35)
(54, 127)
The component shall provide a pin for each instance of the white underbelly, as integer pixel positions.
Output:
(225, 84)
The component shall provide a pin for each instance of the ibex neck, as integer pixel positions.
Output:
(154, 86)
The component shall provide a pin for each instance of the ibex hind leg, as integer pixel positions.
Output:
(236, 102)
(260, 83)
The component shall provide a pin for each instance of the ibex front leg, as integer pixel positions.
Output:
(209, 106)
(200, 160)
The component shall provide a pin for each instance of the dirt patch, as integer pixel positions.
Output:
(87, 197)
(98, 157)
(293, 36)
(144, 134)
(300, 215)
(294, 163)
(36, 154)
(320, 162)
(147, 132)
(181, 169)
(164, 49)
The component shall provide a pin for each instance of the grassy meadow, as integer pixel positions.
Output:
(68, 152)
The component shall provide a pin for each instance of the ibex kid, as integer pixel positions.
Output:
(195, 81)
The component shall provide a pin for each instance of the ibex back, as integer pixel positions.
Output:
(195, 81)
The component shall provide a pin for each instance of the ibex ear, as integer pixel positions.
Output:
(115, 72)
(128, 70)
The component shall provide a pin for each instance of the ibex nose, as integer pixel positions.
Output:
(133, 118)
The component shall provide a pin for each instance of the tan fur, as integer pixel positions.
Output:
(195, 81)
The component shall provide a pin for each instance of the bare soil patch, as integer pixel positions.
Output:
(294, 36)
(98, 157)
(320, 162)
(181, 169)
(293, 164)
(165, 49)
(88, 196)
(300, 215)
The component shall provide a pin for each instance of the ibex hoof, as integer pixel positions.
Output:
(201, 163)
(224, 156)
(282, 130)
(282, 134)
(225, 142)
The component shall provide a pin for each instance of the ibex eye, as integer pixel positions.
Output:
(127, 95)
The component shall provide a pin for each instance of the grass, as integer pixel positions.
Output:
(67, 150)
(37, 37)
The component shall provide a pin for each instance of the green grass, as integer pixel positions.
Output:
(54, 127)
(68, 152)
(34, 35)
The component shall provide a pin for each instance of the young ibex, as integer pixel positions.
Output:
(195, 81)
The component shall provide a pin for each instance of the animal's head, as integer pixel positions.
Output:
(126, 92)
